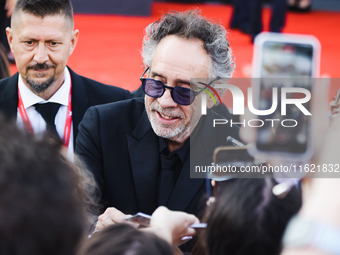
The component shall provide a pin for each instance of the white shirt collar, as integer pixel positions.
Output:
(61, 96)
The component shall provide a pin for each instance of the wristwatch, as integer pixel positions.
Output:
(302, 232)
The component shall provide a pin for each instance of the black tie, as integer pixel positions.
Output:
(48, 111)
(167, 179)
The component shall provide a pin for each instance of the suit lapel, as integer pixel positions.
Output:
(80, 102)
(9, 97)
(144, 159)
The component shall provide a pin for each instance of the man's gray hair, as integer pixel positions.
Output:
(191, 25)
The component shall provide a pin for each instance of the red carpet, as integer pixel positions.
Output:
(108, 47)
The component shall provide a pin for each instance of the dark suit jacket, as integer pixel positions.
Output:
(119, 146)
(85, 93)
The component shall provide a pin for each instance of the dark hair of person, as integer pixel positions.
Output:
(191, 25)
(4, 65)
(247, 218)
(42, 207)
(123, 239)
(42, 8)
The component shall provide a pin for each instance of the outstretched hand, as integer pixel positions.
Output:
(172, 225)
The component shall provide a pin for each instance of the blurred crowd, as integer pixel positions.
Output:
(79, 158)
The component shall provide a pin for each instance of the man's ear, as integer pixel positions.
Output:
(9, 37)
(74, 40)
(210, 102)
(148, 72)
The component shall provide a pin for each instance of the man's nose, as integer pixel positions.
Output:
(166, 100)
(41, 54)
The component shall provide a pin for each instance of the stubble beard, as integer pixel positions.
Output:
(42, 86)
(175, 134)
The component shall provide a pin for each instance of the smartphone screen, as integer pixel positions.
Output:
(287, 133)
(283, 59)
(284, 62)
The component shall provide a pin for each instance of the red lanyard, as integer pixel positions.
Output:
(68, 122)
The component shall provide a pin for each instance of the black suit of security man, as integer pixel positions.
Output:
(85, 93)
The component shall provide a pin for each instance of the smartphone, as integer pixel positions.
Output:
(228, 161)
(284, 66)
(237, 156)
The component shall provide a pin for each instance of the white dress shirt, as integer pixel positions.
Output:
(38, 123)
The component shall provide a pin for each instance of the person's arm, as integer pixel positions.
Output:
(172, 225)
(319, 215)
(9, 6)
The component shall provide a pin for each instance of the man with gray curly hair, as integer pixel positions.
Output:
(190, 25)
(138, 150)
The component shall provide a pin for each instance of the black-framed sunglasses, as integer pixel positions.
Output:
(156, 89)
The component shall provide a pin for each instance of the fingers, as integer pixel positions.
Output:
(164, 216)
(173, 225)
(159, 212)
(190, 219)
(170, 225)
(109, 217)
(190, 232)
